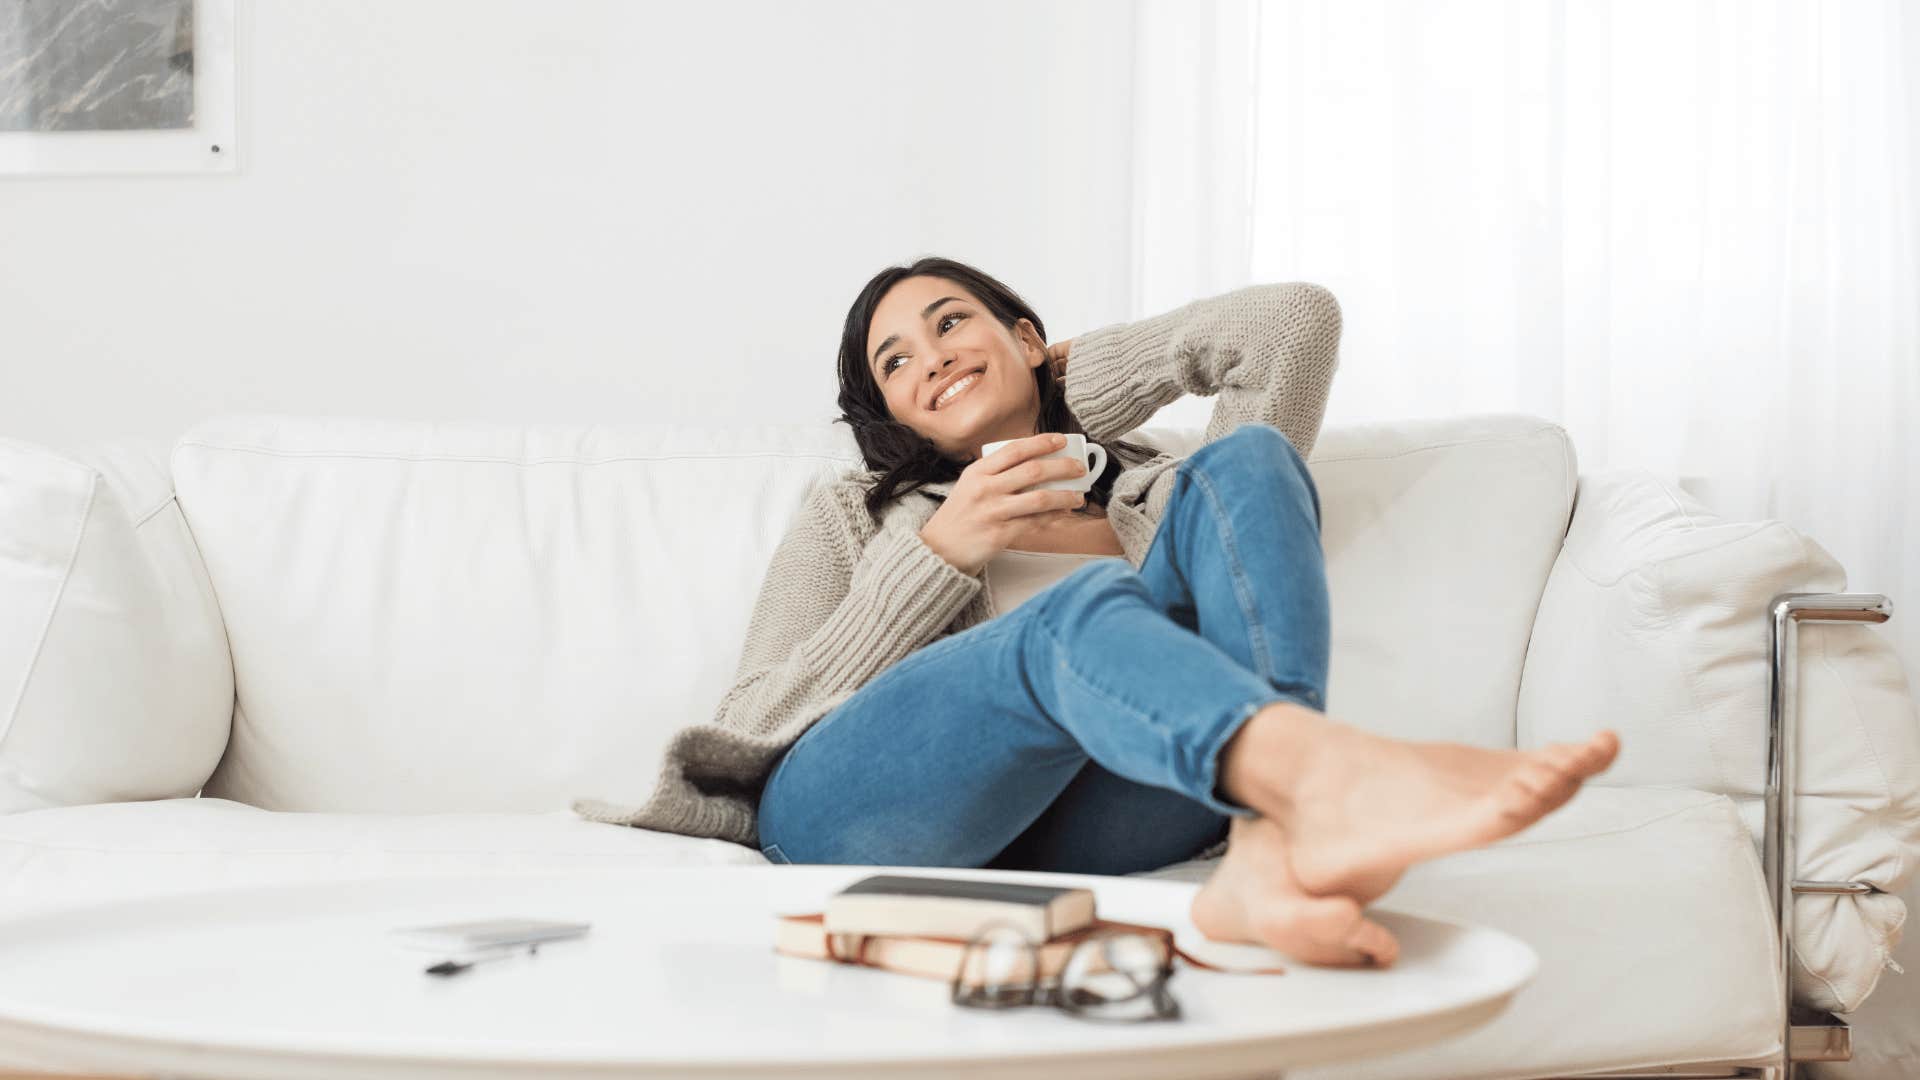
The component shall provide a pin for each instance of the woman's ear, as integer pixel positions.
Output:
(1033, 348)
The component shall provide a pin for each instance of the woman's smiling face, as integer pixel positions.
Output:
(929, 335)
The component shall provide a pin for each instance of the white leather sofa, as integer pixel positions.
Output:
(397, 648)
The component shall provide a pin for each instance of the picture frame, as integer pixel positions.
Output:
(209, 144)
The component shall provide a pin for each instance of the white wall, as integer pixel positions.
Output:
(599, 211)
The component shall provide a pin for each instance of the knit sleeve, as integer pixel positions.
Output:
(1268, 351)
(833, 612)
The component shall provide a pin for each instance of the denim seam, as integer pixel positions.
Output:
(1242, 591)
(1206, 760)
(1103, 694)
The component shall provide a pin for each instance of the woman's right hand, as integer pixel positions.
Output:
(987, 509)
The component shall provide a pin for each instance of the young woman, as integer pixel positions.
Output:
(945, 668)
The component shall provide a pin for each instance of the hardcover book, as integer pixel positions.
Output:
(806, 936)
(955, 907)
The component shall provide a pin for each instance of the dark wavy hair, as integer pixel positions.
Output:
(903, 457)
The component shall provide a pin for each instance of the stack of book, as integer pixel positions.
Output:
(922, 925)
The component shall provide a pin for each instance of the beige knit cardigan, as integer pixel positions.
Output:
(844, 597)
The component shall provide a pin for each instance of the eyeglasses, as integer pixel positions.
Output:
(1118, 976)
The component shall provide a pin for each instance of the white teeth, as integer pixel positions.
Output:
(953, 391)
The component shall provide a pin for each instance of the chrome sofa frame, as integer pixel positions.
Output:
(1807, 1034)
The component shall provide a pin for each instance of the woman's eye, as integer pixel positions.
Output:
(886, 366)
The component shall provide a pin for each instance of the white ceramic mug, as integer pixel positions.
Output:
(1090, 454)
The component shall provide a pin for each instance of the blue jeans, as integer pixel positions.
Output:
(1081, 732)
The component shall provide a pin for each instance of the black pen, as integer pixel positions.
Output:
(455, 967)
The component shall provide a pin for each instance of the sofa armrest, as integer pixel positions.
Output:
(1656, 622)
(116, 683)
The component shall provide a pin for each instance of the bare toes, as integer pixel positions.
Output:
(1329, 931)
(1534, 789)
(1569, 757)
(1606, 747)
(1583, 759)
(1375, 942)
(1597, 753)
(1560, 787)
(1536, 778)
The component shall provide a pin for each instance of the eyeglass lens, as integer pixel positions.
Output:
(1116, 976)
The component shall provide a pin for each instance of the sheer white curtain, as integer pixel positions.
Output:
(1684, 229)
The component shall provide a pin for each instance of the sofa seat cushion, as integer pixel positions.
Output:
(103, 852)
(1649, 911)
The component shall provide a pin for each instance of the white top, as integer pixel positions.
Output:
(1014, 576)
(305, 980)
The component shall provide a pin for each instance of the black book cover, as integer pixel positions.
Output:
(957, 888)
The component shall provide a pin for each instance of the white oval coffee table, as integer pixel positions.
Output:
(677, 978)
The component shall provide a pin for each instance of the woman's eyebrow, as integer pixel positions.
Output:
(924, 312)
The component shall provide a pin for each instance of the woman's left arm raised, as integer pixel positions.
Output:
(1266, 352)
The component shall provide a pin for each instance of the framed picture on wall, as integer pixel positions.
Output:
(117, 86)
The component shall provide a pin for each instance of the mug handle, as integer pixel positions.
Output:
(1099, 454)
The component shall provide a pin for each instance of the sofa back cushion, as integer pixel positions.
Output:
(430, 617)
(1438, 536)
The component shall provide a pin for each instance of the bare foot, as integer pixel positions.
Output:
(1252, 897)
(1357, 809)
